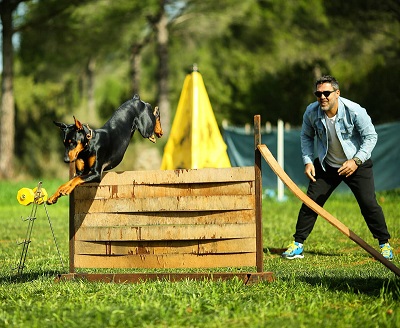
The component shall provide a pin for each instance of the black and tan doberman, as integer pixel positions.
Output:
(95, 151)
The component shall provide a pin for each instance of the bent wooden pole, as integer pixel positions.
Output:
(321, 211)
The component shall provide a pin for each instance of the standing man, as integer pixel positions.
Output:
(345, 139)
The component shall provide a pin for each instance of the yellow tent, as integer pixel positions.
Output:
(195, 140)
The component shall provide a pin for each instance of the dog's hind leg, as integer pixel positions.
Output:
(158, 131)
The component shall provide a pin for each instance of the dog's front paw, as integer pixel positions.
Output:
(62, 191)
(153, 138)
(52, 200)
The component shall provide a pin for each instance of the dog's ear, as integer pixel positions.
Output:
(78, 124)
(138, 103)
(61, 125)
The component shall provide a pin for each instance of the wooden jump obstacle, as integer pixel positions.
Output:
(176, 219)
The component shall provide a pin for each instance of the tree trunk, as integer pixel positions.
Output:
(7, 110)
(162, 53)
(136, 61)
(91, 110)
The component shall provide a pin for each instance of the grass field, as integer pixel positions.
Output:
(337, 284)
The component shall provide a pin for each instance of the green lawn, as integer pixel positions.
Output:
(337, 284)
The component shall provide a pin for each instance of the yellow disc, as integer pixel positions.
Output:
(42, 197)
(25, 196)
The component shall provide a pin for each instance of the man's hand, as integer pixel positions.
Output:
(309, 171)
(348, 168)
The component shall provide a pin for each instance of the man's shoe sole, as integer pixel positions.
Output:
(300, 256)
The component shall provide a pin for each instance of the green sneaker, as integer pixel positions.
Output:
(294, 251)
(387, 251)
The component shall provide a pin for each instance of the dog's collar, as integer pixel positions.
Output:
(89, 133)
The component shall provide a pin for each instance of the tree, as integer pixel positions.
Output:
(7, 110)
(256, 57)
(7, 106)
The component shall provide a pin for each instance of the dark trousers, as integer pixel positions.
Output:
(361, 183)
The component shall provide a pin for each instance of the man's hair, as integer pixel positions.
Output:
(328, 79)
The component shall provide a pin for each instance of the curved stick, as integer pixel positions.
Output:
(321, 211)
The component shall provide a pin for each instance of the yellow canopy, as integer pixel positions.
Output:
(195, 140)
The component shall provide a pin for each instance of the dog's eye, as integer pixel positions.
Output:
(71, 143)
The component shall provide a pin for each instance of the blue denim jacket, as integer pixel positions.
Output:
(354, 129)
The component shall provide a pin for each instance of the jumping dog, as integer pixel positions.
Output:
(95, 151)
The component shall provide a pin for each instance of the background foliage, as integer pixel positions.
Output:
(256, 57)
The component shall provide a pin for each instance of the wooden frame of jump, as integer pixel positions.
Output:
(177, 219)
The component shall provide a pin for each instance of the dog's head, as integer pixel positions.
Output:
(75, 139)
(148, 121)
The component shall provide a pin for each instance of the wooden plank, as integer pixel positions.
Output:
(166, 232)
(248, 278)
(244, 245)
(131, 190)
(179, 176)
(162, 204)
(152, 218)
(166, 219)
(165, 261)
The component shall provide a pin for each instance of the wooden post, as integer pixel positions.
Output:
(71, 223)
(258, 193)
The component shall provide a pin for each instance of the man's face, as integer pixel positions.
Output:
(327, 103)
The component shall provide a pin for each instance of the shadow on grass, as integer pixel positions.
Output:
(369, 286)
(338, 281)
(28, 276)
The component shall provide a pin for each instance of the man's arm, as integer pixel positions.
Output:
(307, 140)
